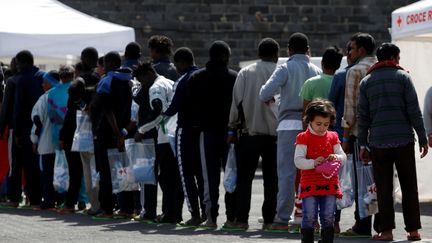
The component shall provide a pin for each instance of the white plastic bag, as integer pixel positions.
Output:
(117, 161)
(136, 151)
(274, 106)
(94, 173)
(230, 174)
(83, 136)
(368, 203)
(144, 162)
(171, 127)
(61, 172)
(346, 184)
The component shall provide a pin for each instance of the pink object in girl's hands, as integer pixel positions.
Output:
(329, 168)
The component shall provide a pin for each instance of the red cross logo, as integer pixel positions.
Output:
(399, 21)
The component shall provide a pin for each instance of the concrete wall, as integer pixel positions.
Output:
(242, 23)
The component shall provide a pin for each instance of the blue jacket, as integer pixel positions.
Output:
(113, 94)
(337, 96)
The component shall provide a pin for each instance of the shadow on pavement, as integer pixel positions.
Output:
(79, 219)
(76, 219)
(425, 208)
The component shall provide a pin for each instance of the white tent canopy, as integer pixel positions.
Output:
(412, 32)
(49, 28)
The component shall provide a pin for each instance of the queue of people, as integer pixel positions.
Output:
(298, 119)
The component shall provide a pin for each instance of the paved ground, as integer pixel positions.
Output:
(24, 225)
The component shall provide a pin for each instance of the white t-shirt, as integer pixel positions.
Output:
(161, 89)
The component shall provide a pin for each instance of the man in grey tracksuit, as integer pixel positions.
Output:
(288, 78)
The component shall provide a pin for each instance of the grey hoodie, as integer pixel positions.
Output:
(289, 78)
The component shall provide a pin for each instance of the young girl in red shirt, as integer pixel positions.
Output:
(318, 192)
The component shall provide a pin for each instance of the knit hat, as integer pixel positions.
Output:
(52, 77)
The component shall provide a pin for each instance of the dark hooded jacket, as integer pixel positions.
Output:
(113, 94)
(209, 90)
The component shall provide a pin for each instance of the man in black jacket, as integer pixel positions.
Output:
(110, 114)
(210, 90)
(187, 138)
(28, 88)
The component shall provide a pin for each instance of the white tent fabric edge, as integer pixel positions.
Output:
(49, 28)
(412, 33)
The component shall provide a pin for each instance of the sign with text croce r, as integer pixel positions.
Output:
(412, 20)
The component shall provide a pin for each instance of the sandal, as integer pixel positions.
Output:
(413, 236)
(381, 237)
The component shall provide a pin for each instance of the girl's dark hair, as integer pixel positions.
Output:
(320, 107)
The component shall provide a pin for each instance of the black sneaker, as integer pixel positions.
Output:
(163, 219)
(194, 222)
(81, 206)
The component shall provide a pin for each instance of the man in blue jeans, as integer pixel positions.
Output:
(288, 78)
(362, 49)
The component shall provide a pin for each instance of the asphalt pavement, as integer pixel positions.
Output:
(26, 225)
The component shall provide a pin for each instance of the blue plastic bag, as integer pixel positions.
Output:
(144, 171)
(61, 172)
(94, 173)
(230, 174)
